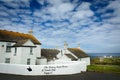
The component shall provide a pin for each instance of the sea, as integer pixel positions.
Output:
(104, 54)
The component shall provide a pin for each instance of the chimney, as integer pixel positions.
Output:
(78, 46)
(65, 45)
(30, 32)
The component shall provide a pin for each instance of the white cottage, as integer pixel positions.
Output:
(73, 54)
(52, 56)
(19, 48)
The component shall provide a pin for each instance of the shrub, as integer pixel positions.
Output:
(106, 61)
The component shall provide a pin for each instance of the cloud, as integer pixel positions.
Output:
(114, 5)
(57, 21)
(83, 14)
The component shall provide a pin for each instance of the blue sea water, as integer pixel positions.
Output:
(104, 54)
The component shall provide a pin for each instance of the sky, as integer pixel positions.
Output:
(94, 24)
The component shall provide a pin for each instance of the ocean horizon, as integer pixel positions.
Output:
(104, 54)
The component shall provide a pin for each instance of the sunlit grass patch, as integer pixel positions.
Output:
(104, 68)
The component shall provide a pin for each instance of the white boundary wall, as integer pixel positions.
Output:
(53, 69)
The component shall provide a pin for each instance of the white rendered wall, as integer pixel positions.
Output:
(87, 60)
(2, 49)
(25, 54)
(16, 59)
(42, 61)
(64, 58)
(56, 69)
(28, 43)
(3, 53)
(62, 55)
(38, 50)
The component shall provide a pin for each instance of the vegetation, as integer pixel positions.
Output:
(111, 65)
(106, 61)
(104, 68)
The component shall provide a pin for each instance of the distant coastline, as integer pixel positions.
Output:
(104, 54)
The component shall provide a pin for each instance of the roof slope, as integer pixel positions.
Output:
(78, 52)
(71, 56)
(20, 43)
(49, 53)
(10, 36)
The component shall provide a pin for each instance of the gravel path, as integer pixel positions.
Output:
(81, 76)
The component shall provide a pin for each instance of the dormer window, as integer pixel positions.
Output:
(8, 47)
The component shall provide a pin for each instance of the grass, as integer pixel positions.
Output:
(104, 68)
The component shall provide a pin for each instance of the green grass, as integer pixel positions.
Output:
(104, 68)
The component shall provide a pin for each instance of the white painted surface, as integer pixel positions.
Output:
(23, 53)
(37, 50)
(29, 43)
(42, 61)
(64, 58)
(62, 66)
(62, 55)
(86, 59)
(3, 53)
(26, 54)
(16, 59)
(55, 69)
(82, 64)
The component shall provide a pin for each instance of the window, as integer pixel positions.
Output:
(8, 47)
(31, 51)
(7, 60)
(15, 51)
(28, 61)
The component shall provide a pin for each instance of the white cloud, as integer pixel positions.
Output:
(114, 5)
(84, 6)
(4, 14)
(83, 14)
(67, 25)
(65, 7)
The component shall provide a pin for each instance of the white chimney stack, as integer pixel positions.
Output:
(65, 45)
(78, 46)
(30, 32)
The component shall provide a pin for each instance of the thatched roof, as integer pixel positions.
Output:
(78, 52)
(10, 36)
(71, 56)
(49, 53)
